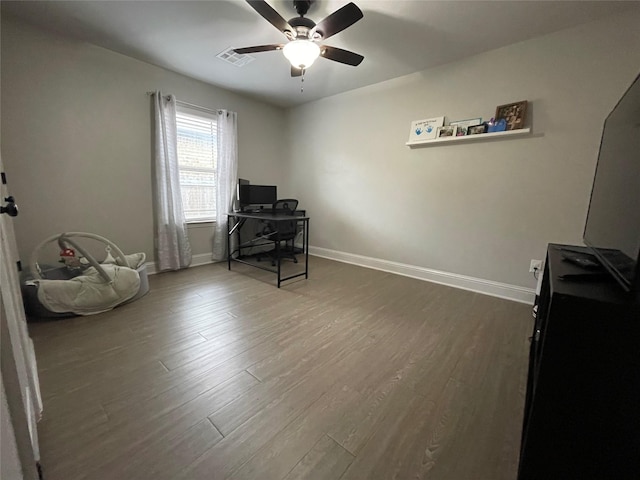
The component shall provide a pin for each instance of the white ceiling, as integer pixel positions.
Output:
(396, 37)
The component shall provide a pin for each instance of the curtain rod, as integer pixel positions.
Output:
(191, 105)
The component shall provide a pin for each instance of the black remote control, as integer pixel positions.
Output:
(581, 261)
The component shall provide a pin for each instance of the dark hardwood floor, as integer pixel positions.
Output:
(351, 374)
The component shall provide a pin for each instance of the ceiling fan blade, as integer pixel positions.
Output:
(270, 15)
(340, 55)
(296, 72)
(339, 20)
(258, 48)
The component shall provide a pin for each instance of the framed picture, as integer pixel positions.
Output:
(463, 125)
(447, 131)
(476, 129)
(513, 113)
(466, 123)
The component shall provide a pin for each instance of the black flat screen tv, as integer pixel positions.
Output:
(612, 229)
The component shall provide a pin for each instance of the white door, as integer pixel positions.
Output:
(19, 369)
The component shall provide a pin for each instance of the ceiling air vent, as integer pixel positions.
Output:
(234, 58)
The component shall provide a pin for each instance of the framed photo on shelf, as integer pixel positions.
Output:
(514, 114)
(463, 125)
(477, 129)
(466, 123)
(447, 131)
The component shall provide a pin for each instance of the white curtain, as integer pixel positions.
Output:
(227, 179)
(172, 242)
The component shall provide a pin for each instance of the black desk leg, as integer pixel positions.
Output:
(306, 249)
(229, 242)
(278, 259)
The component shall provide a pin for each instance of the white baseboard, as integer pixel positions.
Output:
(196, 261)
(487, 287)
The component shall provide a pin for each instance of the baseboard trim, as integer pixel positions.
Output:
(479, 285)
(196, 261)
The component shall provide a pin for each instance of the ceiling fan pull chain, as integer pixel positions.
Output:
(302, 81)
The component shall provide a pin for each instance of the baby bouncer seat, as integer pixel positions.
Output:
(83, 286)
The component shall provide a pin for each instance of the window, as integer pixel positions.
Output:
(197, 161)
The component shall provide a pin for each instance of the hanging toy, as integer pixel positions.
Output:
(109, 258)
(68, 257)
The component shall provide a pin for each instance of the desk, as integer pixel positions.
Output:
(236, 220)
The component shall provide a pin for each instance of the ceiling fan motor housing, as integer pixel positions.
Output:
(302, 6)
(302, 26)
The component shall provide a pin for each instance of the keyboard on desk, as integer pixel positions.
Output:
(258, 210)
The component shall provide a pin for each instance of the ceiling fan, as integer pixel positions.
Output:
(304, 35)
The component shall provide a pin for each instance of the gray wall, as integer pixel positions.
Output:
(480, 209)
(76, 142)
(76, 138)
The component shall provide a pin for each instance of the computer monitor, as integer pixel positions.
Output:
(257, 194)
(263, 194)
(241, 181)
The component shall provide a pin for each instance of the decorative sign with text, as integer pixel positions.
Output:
(425, 129)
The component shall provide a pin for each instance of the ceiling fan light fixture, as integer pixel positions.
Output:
(301, 53)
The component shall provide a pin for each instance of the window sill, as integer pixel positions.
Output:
(200, 223)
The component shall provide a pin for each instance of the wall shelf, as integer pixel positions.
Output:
(470, 138)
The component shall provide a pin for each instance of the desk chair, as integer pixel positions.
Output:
(283, 231)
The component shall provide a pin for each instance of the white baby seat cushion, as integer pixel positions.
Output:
(88, 294)
(99, 288)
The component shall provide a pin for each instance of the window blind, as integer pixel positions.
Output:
(197, 159)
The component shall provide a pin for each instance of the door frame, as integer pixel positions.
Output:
(17, 357)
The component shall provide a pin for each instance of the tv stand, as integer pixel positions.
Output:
(582, 414)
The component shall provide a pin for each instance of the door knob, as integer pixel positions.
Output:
(11, 208)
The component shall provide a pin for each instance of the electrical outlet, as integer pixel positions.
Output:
(535, 265)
